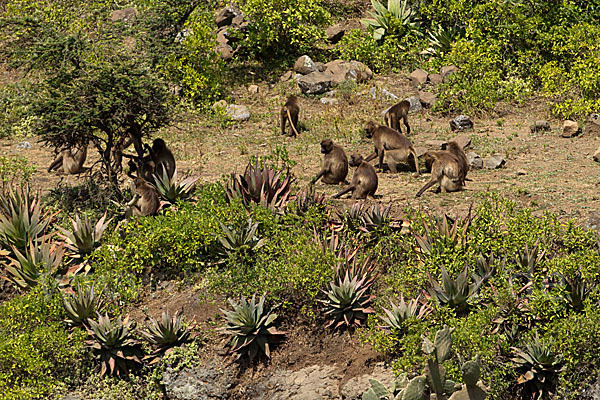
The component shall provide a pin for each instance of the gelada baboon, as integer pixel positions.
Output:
(145, 201)
(70, 162)
(393, 143)
(448, 169)
(117, 151)
(393, 114)
(143, 167)
(162, 157)
(364, 181)
(335, 164)
(289, 113)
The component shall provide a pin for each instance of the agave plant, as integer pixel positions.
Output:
(352, 218)
(170, 189)
(485, 267)
(456, 293)
(241, 240)
(576, 290)
(168, 332)
(529, 258)
(397, 19)
(22, 219)
(402, 312)
(114, 344)
(376, 218)
(85, 236)
(307, 199)
(441, 39)
(82, 305)
(539, 366)
(348, 302)
(262, 186)
(450, 232)
(251, 328)
(43, 259)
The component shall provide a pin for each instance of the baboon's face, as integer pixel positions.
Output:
(158, 145)
(326, 146)
(369, 129)
(355, 160)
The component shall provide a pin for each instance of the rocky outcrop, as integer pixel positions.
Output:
(314, 382)
(318, 79)
(210, 381)
(228, 19)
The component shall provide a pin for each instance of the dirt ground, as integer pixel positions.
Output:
(543, 171)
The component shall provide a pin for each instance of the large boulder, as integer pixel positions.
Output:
(570, 129)
(418, 77)
(495, 161)
(355, 387)
(592, 125)
(212, 380)
(305, 65)
(463, 141)
(335, 33)
(313, 382)
(435, 79)
(342, 71)
(315, 82)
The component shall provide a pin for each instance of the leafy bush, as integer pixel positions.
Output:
(15, 172)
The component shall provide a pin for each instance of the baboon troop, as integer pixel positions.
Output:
(335, 164)
(393, 114)
(396, 145)
(70, 161)
(289, 113)
(364, 181)
(448, 168)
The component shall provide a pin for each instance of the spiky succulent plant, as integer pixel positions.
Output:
(241, 240)
(42, 259)
(167, 332)
(376, 218)
(396, 19)
(441, 39)
(85, 236)
(114, 344)
(22, 218)
(538, 365)
(348, 302)
(529, 258)
(308, 198)
(82, 305)
(454, 292)
(251, 328)
(171, 189)
(576, 289)
(400, 313)
(263, 186)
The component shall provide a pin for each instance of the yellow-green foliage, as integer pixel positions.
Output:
(15, 172)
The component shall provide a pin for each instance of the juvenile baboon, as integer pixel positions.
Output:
(143, 167)
(397, 146)
(162, 156)
(70, 162)
(145, 201)
(393, 114)
(335, 164)
(289, 113)
(117, 151)
(449, 169)
(364, 181)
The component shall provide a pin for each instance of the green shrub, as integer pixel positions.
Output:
(15, 172)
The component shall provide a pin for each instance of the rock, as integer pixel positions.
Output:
(305, 65)
(570, 129)
(418, 77)
(342, 71)
(475, 161)
(420, 150)
(329, 100)
(286, 77)
(315, 82)
(355, 387)
(209, 381)
(593, 222)
(461, 123)
(222, 36)
(463, 141)
(539, 126)
(435, 79)
(428, 99)
(436, 144)
(382, 94)
(335, 33)
(592, 125)
(24, 145)
(597, 155)
(125, 15)
(253, 89)
(182, 34)
(238, 21)
(447, 71)
(521, 172)
(225, 16)
(225, 51)
(238, 112)
(320, 66)
(415, 104)
(314, 382)
(494, 162)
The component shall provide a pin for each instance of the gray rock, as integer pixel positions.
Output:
(238, 112)
(415, 104)
(225, 16)
(539, 126)
(24, 145)
(475, 161)
(447, 71)
(329, 100)
(418, 77)
(355, 387)
(315, 82)
(461, 123)
(335, 33)
(435, 79)
(593, 222)
(494, 162)
(428, 99)
(436, 144)
(342, 71)
(570, 129)
(125, 15)
(210, 381)
(597, 155)
(463, 141)
(305, 65)
(310, 383)
(382, 94)
(286, 77)
(592, 125)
